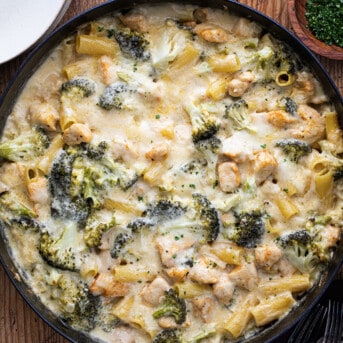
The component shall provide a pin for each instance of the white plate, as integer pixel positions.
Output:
(23, 22)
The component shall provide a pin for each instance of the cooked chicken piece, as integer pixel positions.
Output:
(246, 28)
(284, 267)
(135, 22)
(44, 115)
(107, 70)
(246, 76)
(229, 176)
(104, 284)
(245, 276)
(330, 236)
(38, 190)
(280, 118)
(224, 289)
(267, 255)
(171, 250)
(236, 149)
(77, 133)
(204, 271)
(264, 165)
(211, 33)
(153, 291)
(158, 152)
(311, 127)
(236, 87)
(167, 322)
(203, 307)
(177, 274)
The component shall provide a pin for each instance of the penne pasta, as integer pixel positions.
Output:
(94, 45)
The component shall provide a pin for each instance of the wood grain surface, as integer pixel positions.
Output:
(18, 323)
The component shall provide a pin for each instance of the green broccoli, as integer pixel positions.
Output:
(172, 306)
(113, 96)
(79, 178)
(237, 112)
(78, 307)
(194, 167)
(199, 215)
(63, 204)
(338, 173)
(79, 87)
(210, 149)
(247, 230)
(300, 250)
(164, 210)
(204, 125)
(94, 230)
(132, 44)
(25, 146)
(289, 105)
(62, 251)
(9, 205)
(294, 148)
(167, 336)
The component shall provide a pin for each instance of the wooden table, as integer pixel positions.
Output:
(18, 323)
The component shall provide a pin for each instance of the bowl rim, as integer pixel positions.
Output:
(38, 55)
(333, 52)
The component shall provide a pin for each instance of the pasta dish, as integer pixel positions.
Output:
(171, 174)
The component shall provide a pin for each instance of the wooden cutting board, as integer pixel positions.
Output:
(18, 323)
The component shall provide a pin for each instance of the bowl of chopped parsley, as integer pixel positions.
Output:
(319, 24)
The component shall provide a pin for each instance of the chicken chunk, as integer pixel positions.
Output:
(170, 251)
(134, 21)
(280, 118)
(267, 255)
(77, 133)
(152, 292)
(104, 284)
(264, 165)
(224, 289)
(245, 276)
(229, 176)
(203, 307)
(330, 236)
(204, 271)
(158, 152)
(177, 274)
(211, 33)
(44, 115)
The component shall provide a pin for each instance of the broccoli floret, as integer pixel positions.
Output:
(25, 147)
(114, 95)
(133, 44)
(167, 336)
(289, 105)
(294, 148)
(94, 230)
(199, 215)
(164, 210)
(207, 216)
(79, 177)
(62, 251)
(338, 173)
(300, 250)
(248, 229)
(204, 125)
(78, 307)
(210, 148)
(60, 180)
(172, 306)
(25, 223)
(120, 241)
(14, 207)
(237, 112)
(194, 167)
(78, 88)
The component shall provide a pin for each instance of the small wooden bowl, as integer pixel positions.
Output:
(296, 11)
